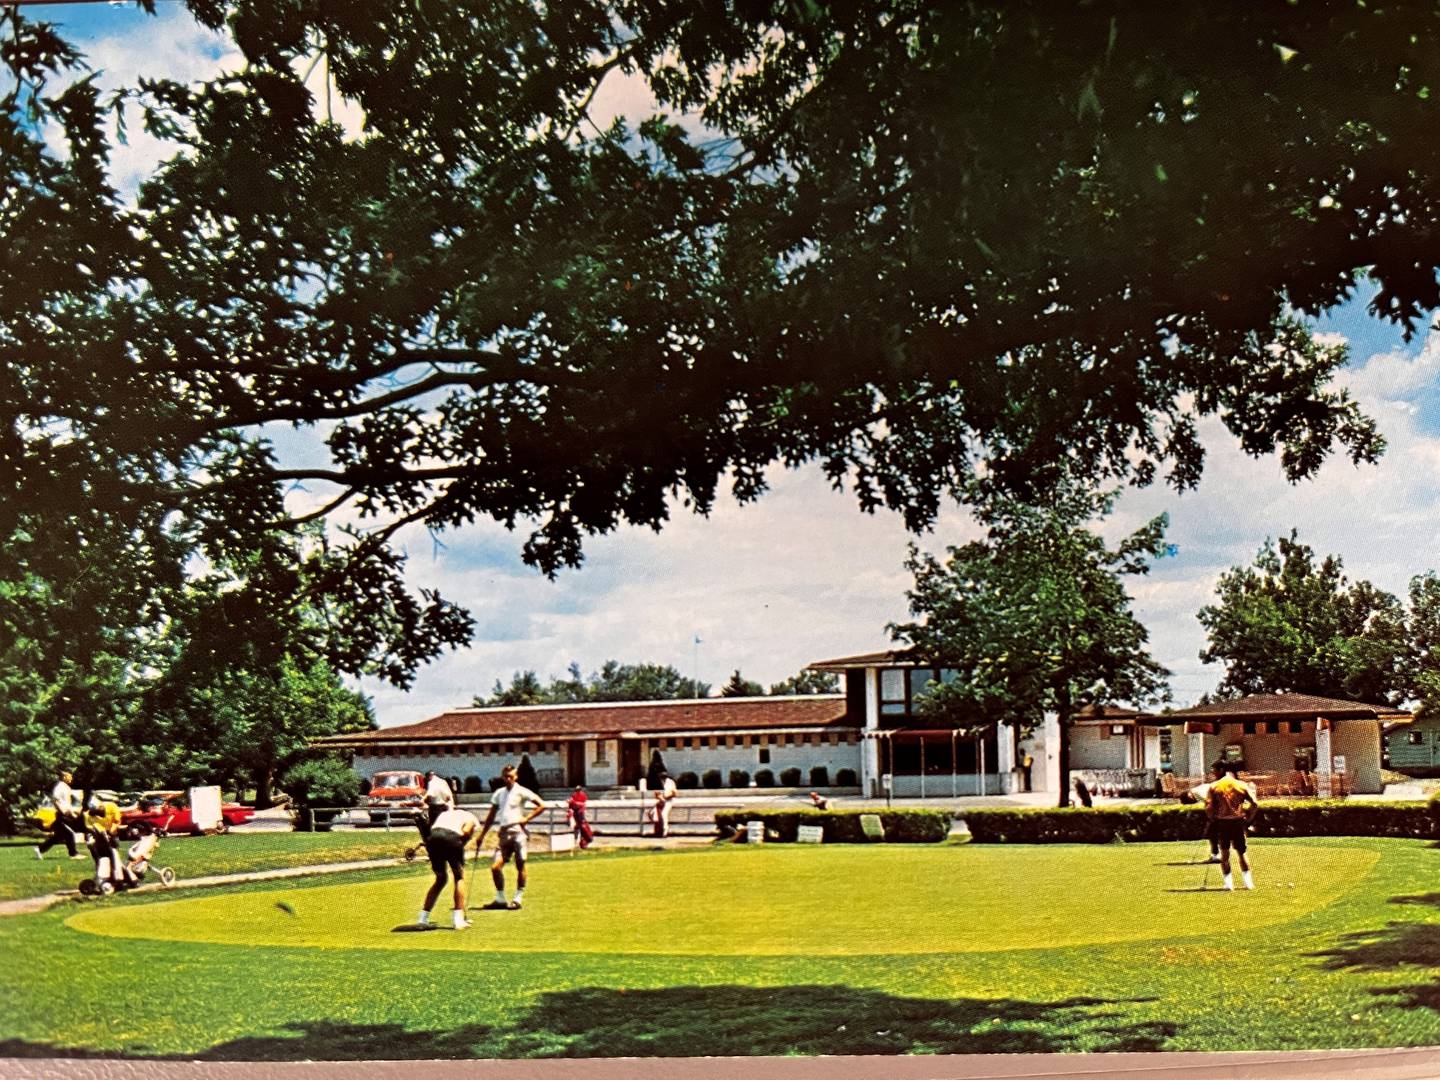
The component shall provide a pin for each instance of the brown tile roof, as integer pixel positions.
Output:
(1284, 706)
(1113, 714)
(817, 711)
(873, 659)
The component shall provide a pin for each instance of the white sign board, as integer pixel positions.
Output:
(755, 832)
(561, 841)
(886, 781)
(872, 826)
(809, 834)
(205, 807)
(1339, 763)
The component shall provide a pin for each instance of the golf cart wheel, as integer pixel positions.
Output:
(88, 888)
(106, 888)
(409, 854)
(167, 876)
(137, 830)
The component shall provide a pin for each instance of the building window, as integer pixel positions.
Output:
(1294, 727)
(1272, 727)
(1417, 738)
(892, 692)
(764, 756)
(1249, 727)
(600, 758)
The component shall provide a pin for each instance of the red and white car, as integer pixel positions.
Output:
(395, 790)
(168, 812)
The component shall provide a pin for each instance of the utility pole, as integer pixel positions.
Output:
(695, 668)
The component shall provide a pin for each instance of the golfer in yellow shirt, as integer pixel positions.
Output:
(1231, 807)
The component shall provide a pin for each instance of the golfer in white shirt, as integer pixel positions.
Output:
(508, 804)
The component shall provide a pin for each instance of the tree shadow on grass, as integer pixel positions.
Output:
(685, 1021)
(1395, 946)
(690, 1021)
(1431, 899)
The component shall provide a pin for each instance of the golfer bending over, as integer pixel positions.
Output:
(1231, 808)
(446, 848)
(508, 803)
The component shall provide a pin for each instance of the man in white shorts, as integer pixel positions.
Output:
(508, 804)
(445, 845)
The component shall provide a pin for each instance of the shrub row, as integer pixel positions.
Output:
(1278, 817)
(909, 826)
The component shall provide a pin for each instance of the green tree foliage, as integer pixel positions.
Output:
(1288, 624)
(1423, 685)
(613, 682)
(524, 689)
(1034, 618)
(807, 682)
(739, 686)
(900, 239)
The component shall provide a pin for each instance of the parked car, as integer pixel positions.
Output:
(395, 789)
(169, 812)
(44, 814)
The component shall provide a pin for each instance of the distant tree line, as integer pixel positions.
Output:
(637, 682)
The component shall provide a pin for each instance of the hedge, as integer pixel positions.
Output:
(909, 826)
(1277, 817)
(688, 781)
(764, 778)
(739, 778)
(819, 776)
(711, 779)
(846, 778)
(790, 777)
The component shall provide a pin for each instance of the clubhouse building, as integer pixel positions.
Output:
(872, 738)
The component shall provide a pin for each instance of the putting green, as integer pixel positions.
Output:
(782, 900)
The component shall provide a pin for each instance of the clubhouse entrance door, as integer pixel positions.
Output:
(630, 770)
(575, 763)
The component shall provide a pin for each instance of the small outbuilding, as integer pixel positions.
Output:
(1289, 743)
(1414, 747)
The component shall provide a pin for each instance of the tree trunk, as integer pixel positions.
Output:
(1062, 725)
(263, 779)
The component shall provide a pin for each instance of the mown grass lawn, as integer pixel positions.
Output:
(776, 950)
(21, 874)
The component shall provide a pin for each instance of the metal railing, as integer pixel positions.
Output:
(616, 817)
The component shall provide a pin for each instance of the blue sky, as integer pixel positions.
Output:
(803, 574)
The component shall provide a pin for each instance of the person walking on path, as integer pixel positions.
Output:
(579, 822)
(666, 803)
(102, 822)
(445, 845)
(1231, 806)
(1027, 762)
(67, 818)
(508, 805)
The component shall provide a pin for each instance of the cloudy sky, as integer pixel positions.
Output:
(803, 574)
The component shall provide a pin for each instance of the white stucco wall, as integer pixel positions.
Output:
(1090, 749)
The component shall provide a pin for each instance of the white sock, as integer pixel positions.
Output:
(1249, 881)
(424, 919)
(499, 896)
(519, 893)
(459, 916)
(1229, 882)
